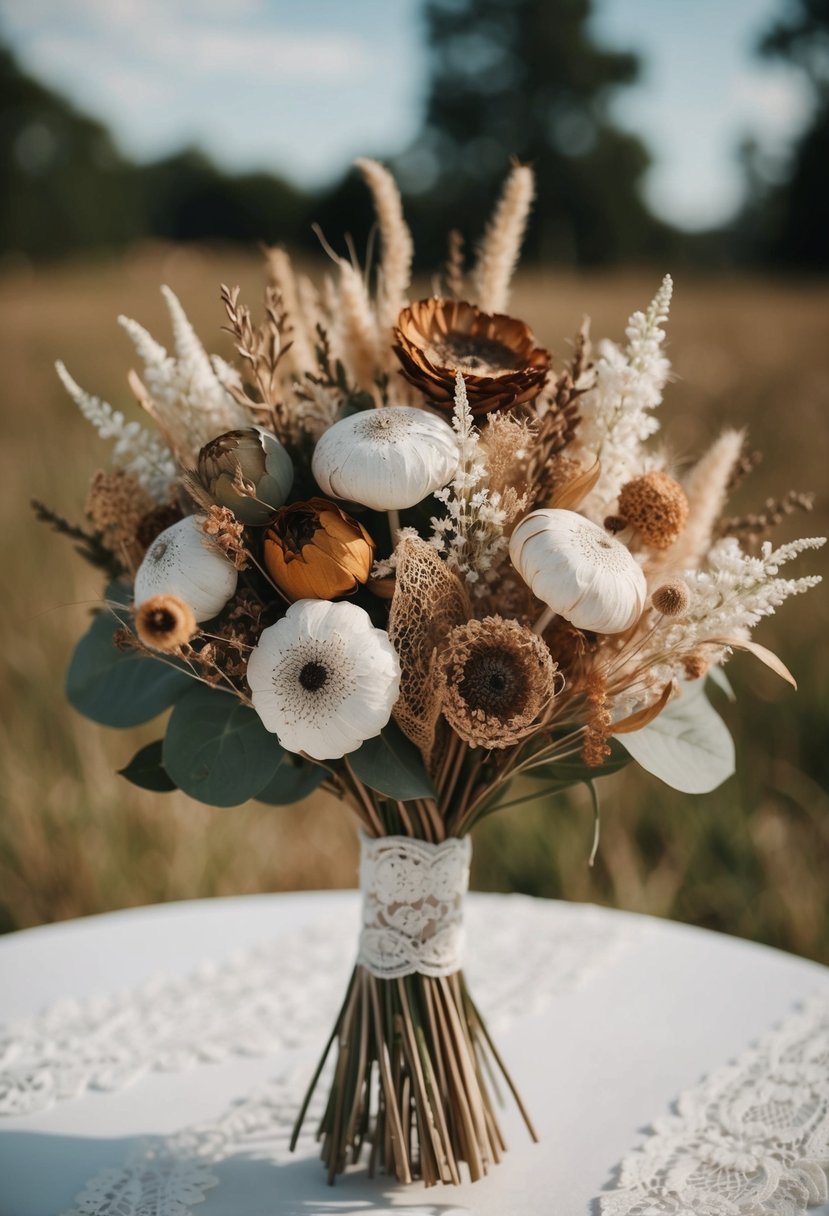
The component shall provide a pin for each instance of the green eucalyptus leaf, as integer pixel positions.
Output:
(217, 749)
(293, 780)
(391, 764)
(147, 771)
(688, 746)
(119, 688)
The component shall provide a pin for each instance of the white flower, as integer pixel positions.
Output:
(583, 574)
(182, 561)
(389, 458)
(323, 679)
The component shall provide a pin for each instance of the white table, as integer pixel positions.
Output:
(603, 1017)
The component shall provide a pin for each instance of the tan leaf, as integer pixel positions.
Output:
(643, 717)
(760, 652)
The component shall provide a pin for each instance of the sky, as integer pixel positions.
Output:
(301, 87)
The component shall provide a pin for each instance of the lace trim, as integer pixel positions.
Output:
(752, 1139)
(412, 905)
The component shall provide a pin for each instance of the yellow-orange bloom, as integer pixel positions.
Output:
(313, 550)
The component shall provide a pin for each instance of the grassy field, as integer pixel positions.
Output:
(750, 859)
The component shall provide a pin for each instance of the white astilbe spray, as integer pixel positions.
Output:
(616, 412)
(135, 449)
(736, 590)
(471, 534)
(189, 392)
(727, 599)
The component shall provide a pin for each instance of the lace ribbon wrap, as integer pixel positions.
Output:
(412, 905)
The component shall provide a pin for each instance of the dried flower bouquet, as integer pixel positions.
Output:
(397, 552)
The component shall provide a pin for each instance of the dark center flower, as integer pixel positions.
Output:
(313, 676)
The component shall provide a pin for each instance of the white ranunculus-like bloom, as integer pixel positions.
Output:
(184, 562)
(581, 572)
(388, 458)
(323, 679)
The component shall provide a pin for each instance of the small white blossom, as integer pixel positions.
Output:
(471, 534)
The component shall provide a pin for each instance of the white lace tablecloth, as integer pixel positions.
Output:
(151, 1062)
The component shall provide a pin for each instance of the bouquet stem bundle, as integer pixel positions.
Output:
(424, 1041)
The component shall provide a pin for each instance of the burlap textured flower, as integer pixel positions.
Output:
(497, 355)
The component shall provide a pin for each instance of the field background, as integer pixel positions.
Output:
(751, 858)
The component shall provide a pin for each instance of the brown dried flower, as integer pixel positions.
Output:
(165, 623)
(672, 598)
(656, 506)
(115, 506)
(496, 678)
(595, 748)
(695, 665)
(497, 355)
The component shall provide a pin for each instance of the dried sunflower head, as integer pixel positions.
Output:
(498, 357)
(496, 677)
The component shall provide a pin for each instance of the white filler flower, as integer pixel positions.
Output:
(182, 561)
(388, 458)
(323, 679)
(579, 571)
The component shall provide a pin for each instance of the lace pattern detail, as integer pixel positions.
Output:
(412, 905)
(752, 1139)
(284, 995)
(291, 990)
(269, 999)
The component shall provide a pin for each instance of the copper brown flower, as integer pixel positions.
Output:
(313, 550)
(497, 356)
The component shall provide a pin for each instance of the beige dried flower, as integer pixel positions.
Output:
(672, 598)
(228, 534)
(165, 623)
(656, 506)
(496, 678)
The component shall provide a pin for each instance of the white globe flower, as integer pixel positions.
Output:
(579, 571)
(323, 679)
(182, 561)
(388, 458)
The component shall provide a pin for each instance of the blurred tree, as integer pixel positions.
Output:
(525, 79)
(65, 185)
(791, 218)
(50, 156)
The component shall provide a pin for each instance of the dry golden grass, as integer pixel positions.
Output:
(75, 838)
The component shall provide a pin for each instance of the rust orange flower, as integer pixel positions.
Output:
(313, 550)
(501, 365)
